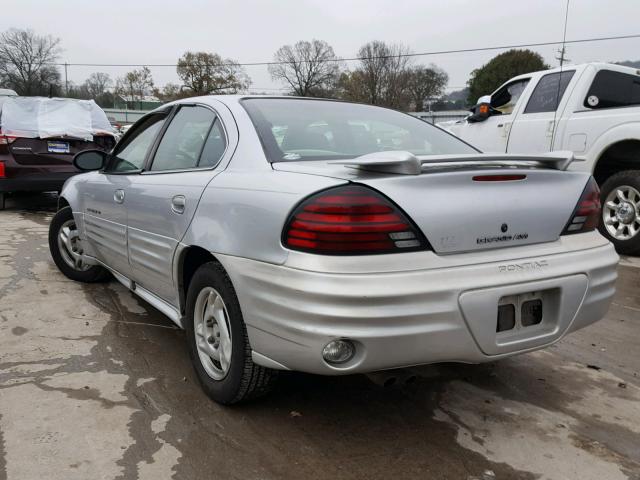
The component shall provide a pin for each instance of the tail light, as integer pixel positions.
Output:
(351, 220)
(2, 173)
(5, 141)
(586, 215)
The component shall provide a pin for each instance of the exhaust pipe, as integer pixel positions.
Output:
(404, 376)
(392, 378)
(383, 379)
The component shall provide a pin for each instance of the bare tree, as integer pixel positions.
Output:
(382, 76)
(425, 83)
(77, 91)
(135, 84)
(385, 72)
(26, 62)
(309, 68)
(205, 73)
(97, 84)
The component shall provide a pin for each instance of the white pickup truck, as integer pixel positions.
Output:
(592, 110)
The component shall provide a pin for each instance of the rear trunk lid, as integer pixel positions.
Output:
(55, 150)
(459, 212)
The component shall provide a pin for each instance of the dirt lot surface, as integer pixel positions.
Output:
(96, 384)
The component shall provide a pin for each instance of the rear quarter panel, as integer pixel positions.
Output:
(242, 212)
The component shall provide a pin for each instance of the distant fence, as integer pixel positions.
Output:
(442, 116)
(117, 115)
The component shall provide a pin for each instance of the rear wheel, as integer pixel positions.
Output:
(217, 340)
(620, 196)
(66, 250)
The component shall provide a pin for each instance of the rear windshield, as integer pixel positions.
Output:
(299, 129)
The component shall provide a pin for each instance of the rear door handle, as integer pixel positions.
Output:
(178, 204)
(118, 196)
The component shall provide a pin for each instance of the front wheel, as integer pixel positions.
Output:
(620, 196)
(218, 342)
(66, 250)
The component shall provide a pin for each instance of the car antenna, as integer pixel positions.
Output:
(562, 57)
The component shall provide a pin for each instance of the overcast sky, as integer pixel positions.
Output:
(159, 31)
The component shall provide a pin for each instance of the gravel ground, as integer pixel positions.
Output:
(95, 383)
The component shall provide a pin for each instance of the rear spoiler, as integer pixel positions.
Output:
(406, 163)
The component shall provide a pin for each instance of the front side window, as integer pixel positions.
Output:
(130, 155)
(182, 143)
(613, 89)
(548, 92)
(298, 129)
(505, 99)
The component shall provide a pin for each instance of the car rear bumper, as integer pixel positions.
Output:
(424, 315)
(35, 182)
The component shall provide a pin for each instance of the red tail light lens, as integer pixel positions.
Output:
(350, 220)
(5, 141)
(2, 174)
(586, 215)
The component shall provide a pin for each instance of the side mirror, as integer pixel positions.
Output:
(90, 160)
(482, 110)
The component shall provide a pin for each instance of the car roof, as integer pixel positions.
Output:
(237, 98)
(580, 66)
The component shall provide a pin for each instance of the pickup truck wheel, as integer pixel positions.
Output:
(620, 196)
(66, 250)
(217, 340)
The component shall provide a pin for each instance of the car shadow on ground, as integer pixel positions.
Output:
(31, 201)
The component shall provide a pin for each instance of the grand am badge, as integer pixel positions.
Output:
(502, 238)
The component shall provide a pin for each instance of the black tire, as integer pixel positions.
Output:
(627, 178)
(93, 274)
(244, 380)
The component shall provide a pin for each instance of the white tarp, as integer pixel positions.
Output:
(39, 117)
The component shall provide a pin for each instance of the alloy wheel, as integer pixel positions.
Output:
(70, 247)
(213, 333)
(621, 212)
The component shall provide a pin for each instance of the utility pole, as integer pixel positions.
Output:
(66, 79)
(562, 56)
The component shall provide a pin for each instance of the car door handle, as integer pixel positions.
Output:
(178, 203)
(118, 196)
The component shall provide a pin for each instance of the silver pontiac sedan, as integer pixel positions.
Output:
(328, 237)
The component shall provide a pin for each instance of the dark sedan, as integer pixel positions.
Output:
(39, 138)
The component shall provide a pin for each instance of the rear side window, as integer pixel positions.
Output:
(548, 92)
(214, 147)
(613, 89)
(184, 139)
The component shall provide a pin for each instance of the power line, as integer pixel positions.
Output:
(354, 59)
